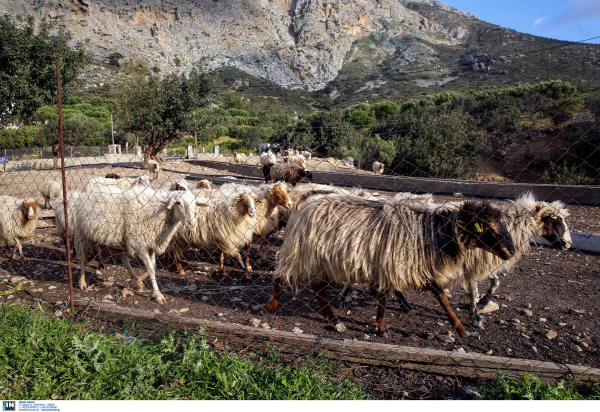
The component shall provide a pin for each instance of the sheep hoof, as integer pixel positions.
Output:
(259, 262)
(466, 334)
(136, 284)
(342, 304)
(383, 333)
(160, 299)
(340, 327)
(98, 272)
(406, 307)
(271, 307)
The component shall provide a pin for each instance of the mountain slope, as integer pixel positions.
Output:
(342, 50)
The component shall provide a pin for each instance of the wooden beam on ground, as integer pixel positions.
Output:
(471, 365)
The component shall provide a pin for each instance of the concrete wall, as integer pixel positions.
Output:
(588, 195)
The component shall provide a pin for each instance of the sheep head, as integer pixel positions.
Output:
(143, 181)
(279, 195)
(184, 206)
(30, 210)
(554, 227)
(248, 204)
(481, 226)
(306, 173)
(204, 184)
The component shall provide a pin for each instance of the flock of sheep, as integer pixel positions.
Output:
(332, 236)
(300, 159)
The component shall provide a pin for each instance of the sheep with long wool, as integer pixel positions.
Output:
(526, 218)
(392, 245)
(18, 221)
(139, 221)
(286, 172)
(50, 191)
(225, 224)
(124, 183)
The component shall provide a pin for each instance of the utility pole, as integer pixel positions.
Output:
(112, 132)
(195, 134)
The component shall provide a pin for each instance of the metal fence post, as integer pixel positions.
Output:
(64, 187)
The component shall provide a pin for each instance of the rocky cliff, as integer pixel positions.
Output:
(294, 43)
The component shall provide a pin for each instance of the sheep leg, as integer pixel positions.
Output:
(82, 283)
(438, 292)
(248, 267)
(133, 281)
(319, 287)
(174, 260)
(20, 249)
(99, 258)
(380, 320)
(149, 260)
(474, 293)
(266, 246)
(221, 262)
(494, 283)
(404, 304)
(275, 294)
(342, 298)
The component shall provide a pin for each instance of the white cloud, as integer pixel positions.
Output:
(573, 12)
(539, 21)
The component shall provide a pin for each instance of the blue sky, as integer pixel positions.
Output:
(572, 20)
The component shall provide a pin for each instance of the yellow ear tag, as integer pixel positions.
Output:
(238, 199)
(552, 217)
(478, 228)
(271, 191)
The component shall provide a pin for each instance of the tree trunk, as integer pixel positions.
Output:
(149, 149)
(55, 157)
(160, 147)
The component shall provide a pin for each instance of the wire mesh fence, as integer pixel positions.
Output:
(319, 250)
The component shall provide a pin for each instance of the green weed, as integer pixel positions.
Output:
(46, 358)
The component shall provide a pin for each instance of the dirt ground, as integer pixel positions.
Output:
(561, 289)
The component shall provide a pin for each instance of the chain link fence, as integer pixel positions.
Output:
(374, 264)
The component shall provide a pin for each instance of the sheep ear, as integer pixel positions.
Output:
(173, 201)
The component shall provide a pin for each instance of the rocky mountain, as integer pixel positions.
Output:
(341, 47)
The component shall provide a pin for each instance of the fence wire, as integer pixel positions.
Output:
(374, 264)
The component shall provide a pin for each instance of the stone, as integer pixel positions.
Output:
(52, 287)
(256, 307)
(470, 390)
(126, 292)
(527, 313)
(220, 315)
(461, 350)
(255, 322)
(156, 311)
(265, 325)
(515, 320)
(542, 320)
(58, 313)
(489, 352)
(17, 279)
(525, 336)
(204, 298)
(297, 330)
(562, 324)
(183, 310)
(551, 334)
(490, 307)
(58, 302)
(578, 349)
(445, 338)
(297, 324)
(584, 344)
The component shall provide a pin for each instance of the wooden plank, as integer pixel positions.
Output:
(585, 195)
(472, 365)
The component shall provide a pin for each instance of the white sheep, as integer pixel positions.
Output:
(239, 158)
(181, 184)
(18, 221)
(267, 158)
(50, 191)
(297, 160)
(123, 183)
(138, 221)
(390, 245)
(153, 168)
(378, 168)
(307, 156)
(225, 224)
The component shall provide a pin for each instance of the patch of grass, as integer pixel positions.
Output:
(531, 388)
(46, 358)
